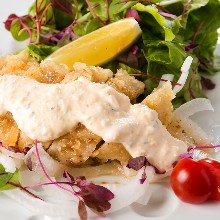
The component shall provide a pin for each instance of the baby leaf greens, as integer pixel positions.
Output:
(171, 30)
(8, 180)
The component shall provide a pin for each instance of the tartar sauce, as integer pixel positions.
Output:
(48, 111)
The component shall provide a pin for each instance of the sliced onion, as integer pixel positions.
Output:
(191, 107)
(8, 163)
(185, 72)
(17, 157)
(61, 203)
(53, 167)
(67, 210)
(188, 109)
(198, 134)
(125, 194)
(11, 153)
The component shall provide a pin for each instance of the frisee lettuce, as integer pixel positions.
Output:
(172, 30)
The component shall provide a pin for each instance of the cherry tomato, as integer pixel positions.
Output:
(191, 182)
(213, 167)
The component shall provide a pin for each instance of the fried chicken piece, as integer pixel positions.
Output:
(9, 131)
(161, 101)
(47, 72)
(127, 84)
(24, 141)
(75, 147)
(17, 64)
(93, 73)
(23, 64)
(112, 151)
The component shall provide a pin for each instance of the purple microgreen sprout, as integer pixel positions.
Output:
(132, 13)
(93, 196)
(46, 174)
(186, 7)
(91, 8)
(63, 6)
(191, 47)
(24, 189)
(135, 49)
(136, 164)
(197, 31)
(140, 162)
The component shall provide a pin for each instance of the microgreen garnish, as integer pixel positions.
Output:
(132, 13)
(10, 181)
(93, 196)
(137, 164)
(140, 162)
(186, 7)
(63, 6)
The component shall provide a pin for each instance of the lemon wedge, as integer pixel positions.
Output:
(99, 46)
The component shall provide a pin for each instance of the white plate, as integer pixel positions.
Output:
(163, 204)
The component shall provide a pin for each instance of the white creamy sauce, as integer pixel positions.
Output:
(47, 111)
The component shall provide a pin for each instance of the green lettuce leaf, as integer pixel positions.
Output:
(159, 25)
(41, 51)
(5, 178)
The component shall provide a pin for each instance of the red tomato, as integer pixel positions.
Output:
(213, 167)
(191, 182)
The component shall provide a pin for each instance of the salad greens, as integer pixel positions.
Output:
(8, 180)
(171, 30)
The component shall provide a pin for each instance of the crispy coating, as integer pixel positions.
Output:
(75, 147)
(23, 65)
(9, 131)
(94, 74)
(127, 84)
(161, 101)
(112, 151)
(80, 147)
